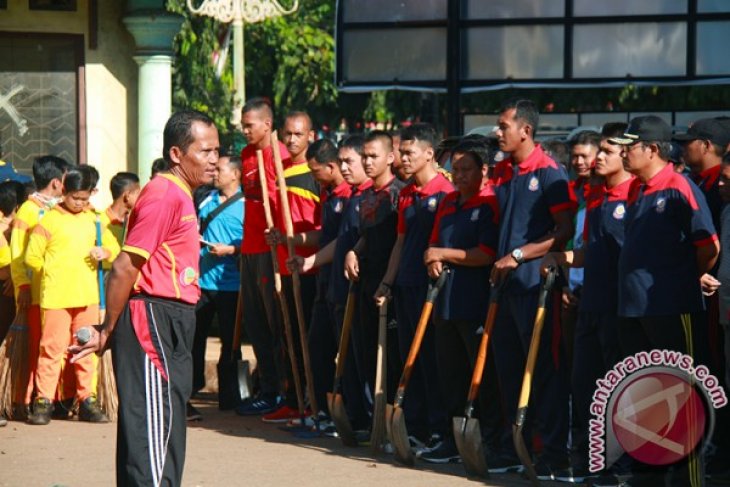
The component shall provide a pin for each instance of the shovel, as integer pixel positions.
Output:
(335, 402)
(377, 433)
(521, 415)
(395, 419)
(243, 369)
(467, 433)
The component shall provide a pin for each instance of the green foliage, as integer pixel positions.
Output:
(194, 81)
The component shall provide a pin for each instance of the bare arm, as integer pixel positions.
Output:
(473, 257)
(707, 256)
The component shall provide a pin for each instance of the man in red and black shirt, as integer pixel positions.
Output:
(406, 275)
(536, 212)
(150, 320)
(595, 345)
(670, 243)
(261, 320)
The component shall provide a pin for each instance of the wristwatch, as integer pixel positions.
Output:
(518, 256)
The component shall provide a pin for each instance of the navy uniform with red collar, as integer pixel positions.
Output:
(348, 234)
(378, 222)
(461, 306)
(323, 337)
(529, 194)
(424, 409)
(596, 346)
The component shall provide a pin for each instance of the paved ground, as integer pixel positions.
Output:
(223, 450)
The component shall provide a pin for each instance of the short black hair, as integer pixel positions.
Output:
(258, 105)
(80, 178)
(159, 165)
(47, 168)
(235, 162)
(322, 151)
(477, 149)
(423, 132)
(120, 182)
(525, 111)
(177, 131)
(380, 135)
(354, 142)
(557, 150)
(12, 195)
(586, 137)
(614, 129)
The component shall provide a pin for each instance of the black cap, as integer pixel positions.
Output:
(706, 129)
(648, 128)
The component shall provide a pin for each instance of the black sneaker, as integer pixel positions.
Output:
(573, 475)
(446, 452)
(544, 470)
(192, 413)
(42, 411)
(257, 406)
(433, 443)
(91, 412)
(500, 463)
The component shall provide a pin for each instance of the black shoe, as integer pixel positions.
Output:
(91, 412)
(574, 475)
(446, 452)
(499, 463)
(42, 411)
(192, 413)
(543, 470)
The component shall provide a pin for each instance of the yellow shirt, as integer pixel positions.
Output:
(110, 221)
(25, 219)
(58, 251)
(4, 252)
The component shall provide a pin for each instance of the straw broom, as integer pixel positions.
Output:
(107, 386)
(14, 367)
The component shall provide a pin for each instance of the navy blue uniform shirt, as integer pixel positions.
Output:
(347, 236)
(378, 222)
(529, 194)
(603, 237)
(465, 295)
(334, 201)
(707, 181)
(416, 214)
(666, 219)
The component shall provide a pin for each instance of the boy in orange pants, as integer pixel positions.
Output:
(62, 250)
(48, 173)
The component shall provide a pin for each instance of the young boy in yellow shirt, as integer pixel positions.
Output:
(63, 250)
(125, 190)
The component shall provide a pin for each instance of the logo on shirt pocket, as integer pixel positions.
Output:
(619, 212)
(534, 184)
(661, 205)
(188, 276)
(432, 204)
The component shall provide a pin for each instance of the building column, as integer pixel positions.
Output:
(153, 33)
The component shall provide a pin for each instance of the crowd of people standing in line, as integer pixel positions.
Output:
(375, 217)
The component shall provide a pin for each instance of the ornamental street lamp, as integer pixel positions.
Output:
(238, 12)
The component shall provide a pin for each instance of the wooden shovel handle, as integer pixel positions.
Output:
(269, 217)
(476, 377)
(345, 335)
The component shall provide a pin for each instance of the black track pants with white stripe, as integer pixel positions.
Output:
(153, 365)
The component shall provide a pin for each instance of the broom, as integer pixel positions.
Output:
(107, 386)
(14, 367)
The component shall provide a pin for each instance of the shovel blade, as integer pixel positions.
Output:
(468, 437)
(399, 437)
(378, 432)
(336, 406)
(523, 454)
(243, 374)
